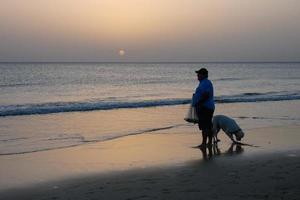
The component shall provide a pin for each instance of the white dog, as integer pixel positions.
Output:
(228, 125)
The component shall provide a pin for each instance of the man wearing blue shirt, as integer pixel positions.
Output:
(203, 101)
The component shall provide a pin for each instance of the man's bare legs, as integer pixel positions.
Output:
(206, 134)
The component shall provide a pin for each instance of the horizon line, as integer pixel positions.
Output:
(144, 62)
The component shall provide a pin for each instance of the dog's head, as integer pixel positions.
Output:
(239, 135)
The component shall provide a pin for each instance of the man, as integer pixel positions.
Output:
(203, 101)
(229, 126)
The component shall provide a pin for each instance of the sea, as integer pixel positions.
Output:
(40, 101)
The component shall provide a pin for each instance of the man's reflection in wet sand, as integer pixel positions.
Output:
(213, 150)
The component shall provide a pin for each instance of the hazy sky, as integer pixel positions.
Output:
(149, 30)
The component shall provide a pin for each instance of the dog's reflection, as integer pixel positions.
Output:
(213, 150)
(234, 149)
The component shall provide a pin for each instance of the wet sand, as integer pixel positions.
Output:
(163, 165)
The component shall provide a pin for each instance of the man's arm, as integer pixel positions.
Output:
(196, 96)
(200, 96)
(204, 97)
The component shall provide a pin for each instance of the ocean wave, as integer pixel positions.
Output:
(18, 84)
(269, 118)
(229, 79)
(258, 97)
(60, 107)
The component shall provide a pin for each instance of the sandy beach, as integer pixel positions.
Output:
(163, 165)
(95, 99)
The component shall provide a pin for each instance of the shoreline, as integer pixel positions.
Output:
(44, 132)
(161, 160)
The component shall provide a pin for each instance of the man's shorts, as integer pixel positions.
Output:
(205, 116)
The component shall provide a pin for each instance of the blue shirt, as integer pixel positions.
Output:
(205, 86)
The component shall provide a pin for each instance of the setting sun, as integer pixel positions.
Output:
(121, 52)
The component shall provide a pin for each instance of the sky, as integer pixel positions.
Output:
(149, 30)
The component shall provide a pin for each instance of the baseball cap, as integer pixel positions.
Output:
(202, 71)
